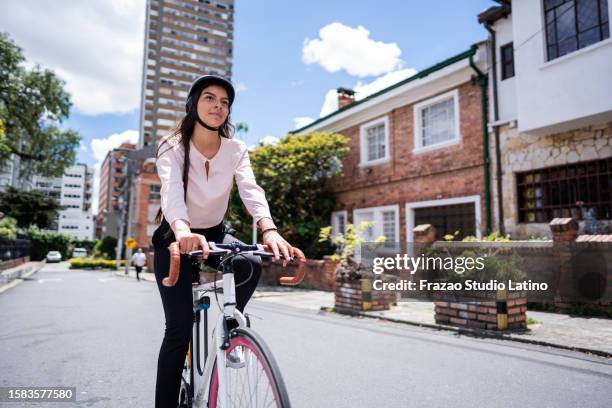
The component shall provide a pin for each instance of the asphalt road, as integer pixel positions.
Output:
(102, 333)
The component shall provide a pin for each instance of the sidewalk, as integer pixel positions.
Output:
(585, 334)
(11, 277)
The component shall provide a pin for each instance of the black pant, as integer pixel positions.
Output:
(178, 305)
(138, 270)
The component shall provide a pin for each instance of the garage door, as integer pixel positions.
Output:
(448, 218)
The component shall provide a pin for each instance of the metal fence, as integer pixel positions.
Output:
(14, 249)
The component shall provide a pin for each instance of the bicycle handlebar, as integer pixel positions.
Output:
(233, 248)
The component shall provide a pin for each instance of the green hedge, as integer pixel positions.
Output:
(43, 242)
(90, 263)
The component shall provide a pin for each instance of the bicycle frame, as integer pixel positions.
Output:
(201, 381)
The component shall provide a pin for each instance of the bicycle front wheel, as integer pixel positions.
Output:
(258, 384)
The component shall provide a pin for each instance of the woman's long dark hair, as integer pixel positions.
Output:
(183, 134)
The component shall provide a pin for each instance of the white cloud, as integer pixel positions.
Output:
(363, 90)
(96, 47)
(340, 47)
(330, 103)
(302, 121)
(100, 148)
(269, 140)
(240, 87)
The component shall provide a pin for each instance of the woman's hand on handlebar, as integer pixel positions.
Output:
(189, 241)
(278, 245)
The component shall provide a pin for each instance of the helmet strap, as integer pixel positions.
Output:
(201, 122)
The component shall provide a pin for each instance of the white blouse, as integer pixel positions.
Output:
(207, 195)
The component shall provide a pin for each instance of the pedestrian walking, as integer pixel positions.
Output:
(139, 259)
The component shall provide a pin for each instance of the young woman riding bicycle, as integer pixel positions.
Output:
(197, 165)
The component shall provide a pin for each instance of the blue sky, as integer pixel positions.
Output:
(362, 45)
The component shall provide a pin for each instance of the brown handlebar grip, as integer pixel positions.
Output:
(175, 265)
(292, 280)
(297, 279)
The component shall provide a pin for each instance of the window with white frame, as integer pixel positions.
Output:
(375, 141)
(386, 222)
(436, 121)
(338, 222)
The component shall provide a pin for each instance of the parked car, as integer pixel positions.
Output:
(54, 256)
(79, 253)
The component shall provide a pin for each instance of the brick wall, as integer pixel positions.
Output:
(447, 172)
(320, 274)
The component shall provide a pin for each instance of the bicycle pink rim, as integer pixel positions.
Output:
(234, 342)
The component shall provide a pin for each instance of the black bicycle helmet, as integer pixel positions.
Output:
(207, 80)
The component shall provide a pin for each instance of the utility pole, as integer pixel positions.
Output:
(120, 236)
(129, 185)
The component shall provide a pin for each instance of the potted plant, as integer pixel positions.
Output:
(354, 290)
(496, 309)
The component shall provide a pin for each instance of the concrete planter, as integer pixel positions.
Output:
(492, 310)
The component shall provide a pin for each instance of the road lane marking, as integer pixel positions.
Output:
(49, 280)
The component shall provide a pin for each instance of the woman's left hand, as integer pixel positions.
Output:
(278, 245)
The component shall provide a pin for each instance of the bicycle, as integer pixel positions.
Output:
(217, 385)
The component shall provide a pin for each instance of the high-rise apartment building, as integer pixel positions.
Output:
(184, 39)
(73, 190)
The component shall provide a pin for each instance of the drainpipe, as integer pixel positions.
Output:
(498, 166)
(482, 81)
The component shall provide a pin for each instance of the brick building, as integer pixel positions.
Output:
(112, 181)
(145, 204)
(416, 152)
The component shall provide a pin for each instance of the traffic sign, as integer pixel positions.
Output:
(131, 243)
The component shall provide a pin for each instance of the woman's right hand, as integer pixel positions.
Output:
(189, 241)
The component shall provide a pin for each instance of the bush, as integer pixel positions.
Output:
(8, 228)
(43, 242)
(92, 263)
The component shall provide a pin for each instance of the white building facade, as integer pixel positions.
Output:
(74, 191)
(550, 117)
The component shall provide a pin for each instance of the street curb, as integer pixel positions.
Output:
(471, 332)
(18, 278)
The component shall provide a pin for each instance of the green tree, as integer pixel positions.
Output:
(32, 105)
(295, 174)
(29, 207)
(107, 247)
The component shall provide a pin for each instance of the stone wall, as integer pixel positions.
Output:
(523, 152)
